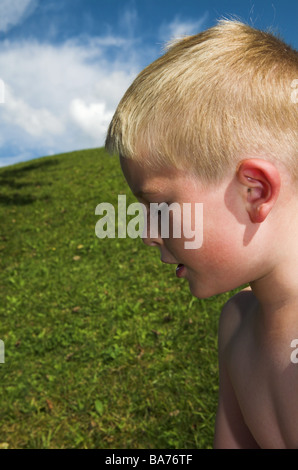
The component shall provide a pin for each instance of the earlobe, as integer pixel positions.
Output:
(260, 181)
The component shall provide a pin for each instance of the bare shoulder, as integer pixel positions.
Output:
(234, 314)
(231, 431)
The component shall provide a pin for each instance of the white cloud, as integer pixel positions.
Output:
(60, 97)
(178, 28)
(12, 12)
(128, 20)
(37, 122)
(92, 119)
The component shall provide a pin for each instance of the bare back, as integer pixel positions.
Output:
(258, 381)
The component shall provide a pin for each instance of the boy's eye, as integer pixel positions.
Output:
(157, 208)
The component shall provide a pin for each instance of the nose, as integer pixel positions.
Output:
(152, 235)
(150, 241)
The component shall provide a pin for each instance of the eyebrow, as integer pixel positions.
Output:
(145, 192)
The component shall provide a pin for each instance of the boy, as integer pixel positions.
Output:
(213, 121)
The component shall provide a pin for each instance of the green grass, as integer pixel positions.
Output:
(104, 347)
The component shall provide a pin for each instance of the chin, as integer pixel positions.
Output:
(199, 291)
(203, 291)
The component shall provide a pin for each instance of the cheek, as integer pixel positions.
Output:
(222, 234)
(186, 227)
(220, 253)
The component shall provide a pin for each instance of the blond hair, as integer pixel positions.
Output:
(210, 100)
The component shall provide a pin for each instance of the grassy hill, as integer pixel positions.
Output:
(104, 347)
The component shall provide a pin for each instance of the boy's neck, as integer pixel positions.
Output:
(278, 290)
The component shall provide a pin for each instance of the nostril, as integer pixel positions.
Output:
(151, 241)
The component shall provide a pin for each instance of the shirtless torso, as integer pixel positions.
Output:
(258, 391)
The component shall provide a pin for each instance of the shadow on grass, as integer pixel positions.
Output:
(8, 179)
(15, 172)
(16, 199)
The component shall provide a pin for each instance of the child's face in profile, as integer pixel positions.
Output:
(214, 267)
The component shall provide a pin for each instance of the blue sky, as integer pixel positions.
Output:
(64, 64)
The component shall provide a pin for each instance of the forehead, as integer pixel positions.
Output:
(148, 180)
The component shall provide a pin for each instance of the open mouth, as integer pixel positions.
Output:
(180, 270)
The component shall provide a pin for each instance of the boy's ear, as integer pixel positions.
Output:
(261, 181)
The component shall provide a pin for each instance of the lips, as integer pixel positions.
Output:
(180, 270)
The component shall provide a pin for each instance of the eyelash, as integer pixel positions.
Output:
(157, 210)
